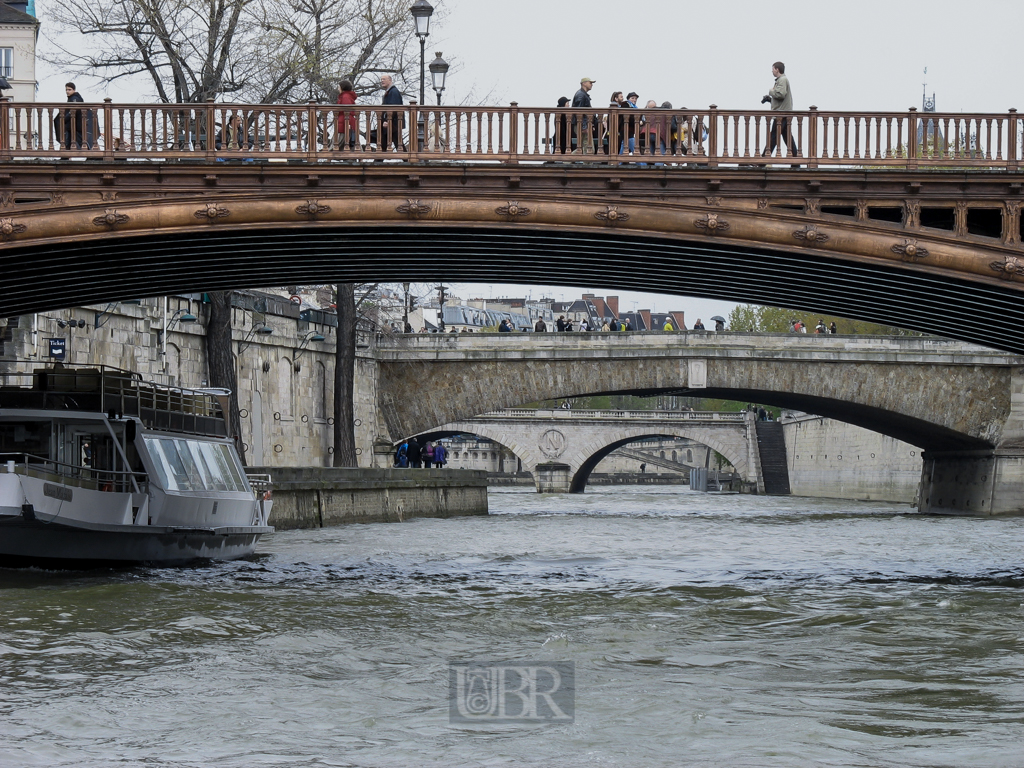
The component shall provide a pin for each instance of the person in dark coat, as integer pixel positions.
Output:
(391, 123)
(415, 453)
(74, 127)
(586, 126)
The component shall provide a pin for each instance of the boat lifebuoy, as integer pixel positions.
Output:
(267, 495)
(107, 487)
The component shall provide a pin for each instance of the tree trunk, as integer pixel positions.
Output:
(220, 359)
(344, 379)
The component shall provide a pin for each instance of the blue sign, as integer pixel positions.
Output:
(58, 348)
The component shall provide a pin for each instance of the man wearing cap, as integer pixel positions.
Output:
(582, 101)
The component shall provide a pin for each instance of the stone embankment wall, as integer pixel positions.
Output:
(831, 459)
(320, 497)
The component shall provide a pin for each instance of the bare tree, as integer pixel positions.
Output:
(344, 378)
(261, 51)
(222, 366)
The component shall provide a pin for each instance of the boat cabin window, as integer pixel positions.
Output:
(31, 437)
(195, 465)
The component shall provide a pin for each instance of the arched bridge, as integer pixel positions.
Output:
(876, 223)
(962, 404)
(562, 447)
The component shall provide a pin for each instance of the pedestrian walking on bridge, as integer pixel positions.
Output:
(781, 98)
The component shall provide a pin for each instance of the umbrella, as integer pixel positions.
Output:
(718, 319)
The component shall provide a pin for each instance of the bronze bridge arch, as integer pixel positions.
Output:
(74, 233)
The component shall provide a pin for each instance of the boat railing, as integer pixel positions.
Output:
(263, 490)
(42, 468)
(118, 392)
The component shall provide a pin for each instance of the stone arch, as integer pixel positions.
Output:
(896, 401)
(734, 451)
(493, 435)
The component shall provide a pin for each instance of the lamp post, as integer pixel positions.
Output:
(439, 71)
(405, 310)
(421, 12)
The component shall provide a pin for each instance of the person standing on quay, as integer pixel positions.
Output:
(540, 326)
(415, 454)
(391, 123)
(440, 455)
(698, 326)
(781, 98)
(585, 142)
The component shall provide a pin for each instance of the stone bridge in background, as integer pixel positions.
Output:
(962, 404)
(873, 224)
(561, 447)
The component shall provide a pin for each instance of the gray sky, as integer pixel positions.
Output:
(864, 55)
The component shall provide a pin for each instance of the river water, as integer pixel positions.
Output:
(705, 630)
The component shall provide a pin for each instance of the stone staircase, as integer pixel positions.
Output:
(771, 448)
(654, 460)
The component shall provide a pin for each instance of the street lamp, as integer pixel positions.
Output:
(421, 12)
(439, 71)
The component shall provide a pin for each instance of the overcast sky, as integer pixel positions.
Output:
(863, 55)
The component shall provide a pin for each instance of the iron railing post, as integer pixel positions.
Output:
(208, 131)
(108, 129)
(513, 133)
(5, 129)
(713, 136)
(312, 126)
(912, 147)
(811, 148)
(1012, 155)
(614, 139)
(413, 147)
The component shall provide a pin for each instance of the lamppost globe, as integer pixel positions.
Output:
(421, 12)
(439, 71)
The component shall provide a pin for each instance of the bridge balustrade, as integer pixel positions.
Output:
(617, 415)
(511, 135)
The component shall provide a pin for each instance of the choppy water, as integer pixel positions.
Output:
(705, 630)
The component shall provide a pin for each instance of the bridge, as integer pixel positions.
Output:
(562, 447)
(962, 404)
(877, 223)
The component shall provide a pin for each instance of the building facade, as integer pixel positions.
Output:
(19, 31)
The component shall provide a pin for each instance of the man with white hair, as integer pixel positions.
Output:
(391, 123)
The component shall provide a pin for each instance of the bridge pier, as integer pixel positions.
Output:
(552, 477)
(973, 482)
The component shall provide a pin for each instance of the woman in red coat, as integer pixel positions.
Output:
(348, 122)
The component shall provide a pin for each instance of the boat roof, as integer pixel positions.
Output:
(112, 392)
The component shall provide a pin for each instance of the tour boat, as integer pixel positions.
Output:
(98, 467)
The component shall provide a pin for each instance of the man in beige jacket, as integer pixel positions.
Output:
(781, 97)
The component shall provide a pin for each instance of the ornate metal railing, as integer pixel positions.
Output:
(613, 415)
(513, 135)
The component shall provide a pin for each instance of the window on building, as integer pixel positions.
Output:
(7, 62)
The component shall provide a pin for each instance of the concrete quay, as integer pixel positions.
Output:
(323, 497)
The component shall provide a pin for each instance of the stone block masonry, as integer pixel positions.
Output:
(321, 497)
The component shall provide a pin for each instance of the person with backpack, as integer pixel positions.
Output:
(440, 455)
(428, 454)
(402, 455)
